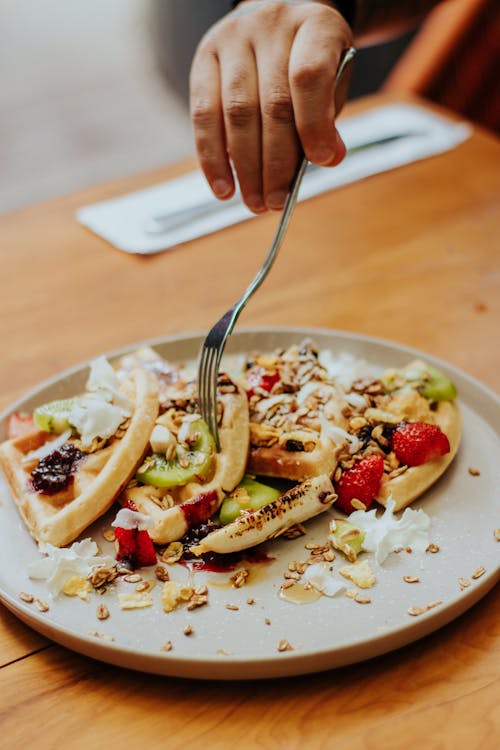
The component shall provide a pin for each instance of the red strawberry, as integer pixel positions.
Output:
(135, 547)
(361, 482)
(259, 379)
(415, 443)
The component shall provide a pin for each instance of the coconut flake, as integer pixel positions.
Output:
(104, 381)
(61, 563)
(339, 435)
(94, 417)
(386, 533)
(132, 519)
(320, 576)
(344, 367)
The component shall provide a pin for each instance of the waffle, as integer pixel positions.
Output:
(59, 518)
(176, 510)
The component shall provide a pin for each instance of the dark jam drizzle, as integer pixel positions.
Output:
(55, 471)
(213, 561)
(200, 508)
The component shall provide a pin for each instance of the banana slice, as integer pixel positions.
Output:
(299, 504)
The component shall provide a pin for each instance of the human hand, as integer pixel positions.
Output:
(262, 87)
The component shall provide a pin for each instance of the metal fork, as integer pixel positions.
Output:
(213, 346)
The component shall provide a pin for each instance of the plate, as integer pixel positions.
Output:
(239, 634)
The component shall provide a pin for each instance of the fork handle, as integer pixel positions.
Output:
(341, 86)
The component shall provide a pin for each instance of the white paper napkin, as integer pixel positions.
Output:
(173, 212)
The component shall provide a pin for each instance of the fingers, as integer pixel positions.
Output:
(208, 123)
(242, 120)
(262, 86)
(314, 61)
(280, 145)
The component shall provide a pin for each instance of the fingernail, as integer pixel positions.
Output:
(276, 200)
(221, 187)
(322, 155)
(256, 203)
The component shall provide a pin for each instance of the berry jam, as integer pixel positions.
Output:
(54, 472)
(214, 561)
(200, 508)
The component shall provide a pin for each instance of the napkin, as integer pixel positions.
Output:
(170, 213)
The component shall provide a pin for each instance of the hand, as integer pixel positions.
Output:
(262, 85)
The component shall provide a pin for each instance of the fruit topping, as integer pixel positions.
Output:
(427, 380)
(54, 472)
(415, 443)
(248, 495)
(346, 537)
(134, 546)
(361, 483)
(19, 425)
(261, 380)
(53, 417)
(192, 461)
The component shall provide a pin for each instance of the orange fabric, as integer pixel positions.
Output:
(454, 60)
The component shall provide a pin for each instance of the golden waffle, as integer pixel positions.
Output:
(99, 476)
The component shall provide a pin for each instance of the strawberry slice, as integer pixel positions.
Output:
(259, 379)
(415, 443)
(361, 482)
(19, 425)
(135, 547)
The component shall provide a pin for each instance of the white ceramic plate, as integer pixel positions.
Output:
(330, 632)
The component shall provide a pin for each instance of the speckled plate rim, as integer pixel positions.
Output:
(477, 396)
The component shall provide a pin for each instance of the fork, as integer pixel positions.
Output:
(213, 347)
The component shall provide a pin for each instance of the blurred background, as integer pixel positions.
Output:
(92, 91)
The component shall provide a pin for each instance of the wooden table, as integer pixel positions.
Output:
(412, 256)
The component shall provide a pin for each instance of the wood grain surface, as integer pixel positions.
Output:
(412, 256)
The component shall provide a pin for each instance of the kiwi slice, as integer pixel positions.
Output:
(347, 538)
(53, 417)
(428, 380)
(248, 495)
(189, 464)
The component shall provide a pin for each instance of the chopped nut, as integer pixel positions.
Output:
(102, 612)
(283, 645)
(28, 598)
(416, 611)
(102, 575)
(240, 578)
(188, 630)
(250, 601)
(478, 572)
(291, 575)
(433, 548)
(294, 531)
(132, 578)
(172, 553)
(167, 646)
(411, 579)
(360, 599)
(233, 607)
(162, 573)
(464, 583)
(474, 472)
(41, 605)
(357, 504)
(145, 586)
